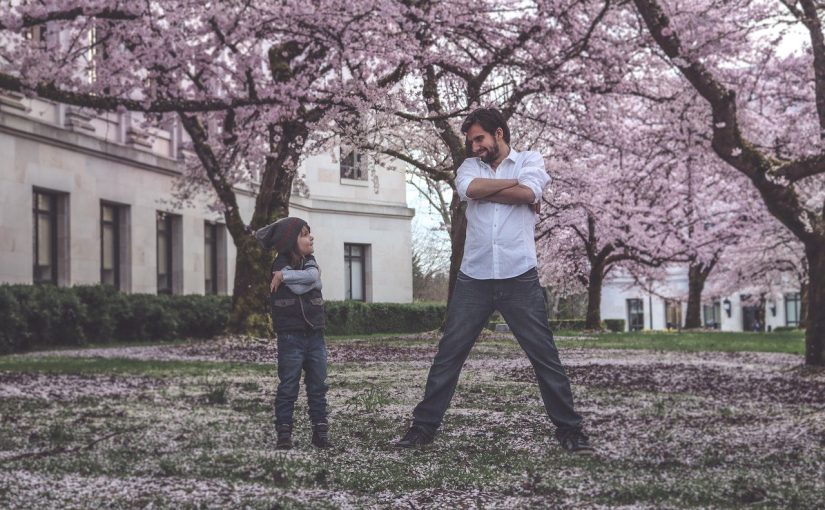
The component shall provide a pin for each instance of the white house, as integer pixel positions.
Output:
(645, 310)
(85, 199)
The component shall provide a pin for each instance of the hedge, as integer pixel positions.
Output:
(615, 325)
(571, 324)
(358, 318)
(44, 316)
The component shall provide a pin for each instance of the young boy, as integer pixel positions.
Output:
(298, 319)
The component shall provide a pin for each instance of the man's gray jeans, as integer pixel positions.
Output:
(521, 302)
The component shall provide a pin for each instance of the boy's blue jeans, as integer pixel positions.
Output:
(521, 302)
(301, 351)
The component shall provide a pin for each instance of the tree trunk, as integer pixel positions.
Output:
(696, 284)
(815, 327)
(594, 296)
(803, 305)
(458, 234)
(250, 295)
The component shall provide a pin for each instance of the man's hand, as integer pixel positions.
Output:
(277, 280)
(536, 207)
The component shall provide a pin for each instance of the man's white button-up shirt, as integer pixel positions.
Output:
(501, 237)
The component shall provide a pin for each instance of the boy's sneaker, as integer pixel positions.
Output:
(320, 435)
(284, 437)
(575, 441)
(416, 436)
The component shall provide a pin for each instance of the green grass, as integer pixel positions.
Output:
(790, 342)
(121, 366)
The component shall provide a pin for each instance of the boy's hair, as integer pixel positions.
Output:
(490, 119)
(296, 260)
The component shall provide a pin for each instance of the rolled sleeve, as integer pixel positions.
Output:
(464, 176)
(533, 175)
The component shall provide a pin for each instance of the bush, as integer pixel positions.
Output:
(51, 315)
(781, 329)
(42, 316)
(358, 318)
(570, 324)
(105, 305)
(201, 316)
(614, 325)
(13, 327)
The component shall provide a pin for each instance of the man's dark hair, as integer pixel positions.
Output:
(489, 119)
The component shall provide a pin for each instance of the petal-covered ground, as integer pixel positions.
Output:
(190, 426)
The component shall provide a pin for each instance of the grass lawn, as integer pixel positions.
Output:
(190, 426)
(791, 342)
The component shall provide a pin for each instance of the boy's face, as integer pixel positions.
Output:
(304, 244)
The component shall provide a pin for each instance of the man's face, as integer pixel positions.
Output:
(484, 145)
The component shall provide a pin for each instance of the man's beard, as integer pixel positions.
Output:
(490, 155)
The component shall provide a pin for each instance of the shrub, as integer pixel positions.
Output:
(52, 315)
(105, 305)
(781, 329)
(358, 318)
(569, 324)
(14, 332)
(614, 325)
(147, 317)
(201, 316)
(41, 316)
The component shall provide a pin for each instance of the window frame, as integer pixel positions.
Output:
(212, 229)
(631, 312)
(796, 298)
(116, 235)
(359, 171)
(348, 258)
(52, 219)
(166, 219)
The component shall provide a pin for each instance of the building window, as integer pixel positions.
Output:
(713, 315)
(45, 237)
(110, 245)
(38, 36)
(210, 257)
(793, 304)
(635, 314)
(673, 315)
(353, 165)
(164, 253)
(354, 271)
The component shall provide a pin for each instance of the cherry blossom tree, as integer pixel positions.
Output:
(249, 81)
(468, 54)
(767, 111)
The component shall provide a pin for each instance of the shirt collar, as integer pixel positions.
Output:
(512, 156)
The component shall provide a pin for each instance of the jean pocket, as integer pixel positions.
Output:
(283, 303)
(317, 301)
(463, 277)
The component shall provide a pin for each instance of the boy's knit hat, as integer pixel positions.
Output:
(280, 235)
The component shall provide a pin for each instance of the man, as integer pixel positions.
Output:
(502, 188)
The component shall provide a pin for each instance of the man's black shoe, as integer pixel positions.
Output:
(416, 436)
(575, 441)
(284, 437)
(320, 435)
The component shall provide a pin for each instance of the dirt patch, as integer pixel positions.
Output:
(69, 387)
(693, 379)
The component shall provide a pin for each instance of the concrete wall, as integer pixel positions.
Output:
(89, 159)
(618, 290)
